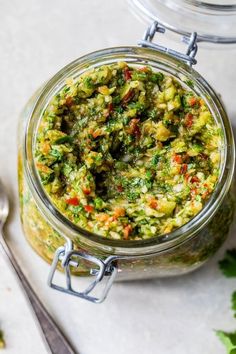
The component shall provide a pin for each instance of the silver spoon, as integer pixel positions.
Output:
(54, 338)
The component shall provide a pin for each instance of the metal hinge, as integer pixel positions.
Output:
(191, 41)
(67, 257)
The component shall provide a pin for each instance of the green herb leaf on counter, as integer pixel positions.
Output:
(228, 268)
(233, 302)
(228, 264)
(2, 341)
(229, 340)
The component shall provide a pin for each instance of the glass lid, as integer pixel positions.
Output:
(214, 21)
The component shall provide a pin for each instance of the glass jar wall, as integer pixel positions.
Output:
(176, 253)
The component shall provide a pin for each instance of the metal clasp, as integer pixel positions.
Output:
(191, 41)
(67, 257)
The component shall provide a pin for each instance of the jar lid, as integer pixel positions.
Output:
(214, 21)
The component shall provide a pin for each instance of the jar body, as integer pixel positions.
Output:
(179, 260)
(176, 260)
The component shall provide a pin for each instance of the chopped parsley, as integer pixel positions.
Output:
(228, 264)
(228, 268)
(229, 340)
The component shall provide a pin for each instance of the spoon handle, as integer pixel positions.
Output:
(54, 338)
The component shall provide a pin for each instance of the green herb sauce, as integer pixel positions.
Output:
(128, 153)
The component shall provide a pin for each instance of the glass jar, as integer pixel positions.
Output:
(84, 253)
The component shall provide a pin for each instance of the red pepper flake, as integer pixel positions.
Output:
(134, 128)
(188, 121)
(128, 96)
(86, 191)
(96, 133)
(137, 132)
(184, 169)
(73, 201)
(192, 101)
(88, 208)
(203, 156)
(69, 101)
(127, 231)
(127, 74)
(109, 110)
(110, 107)
(187, 176)
(120, 188)
(153, 204)
(195, 179)
(177, 158)
(204, 195)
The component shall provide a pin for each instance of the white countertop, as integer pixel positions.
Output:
(174, 316)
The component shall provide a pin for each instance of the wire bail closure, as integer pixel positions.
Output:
(191, 41)
(67, 257)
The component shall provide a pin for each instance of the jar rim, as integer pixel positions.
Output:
(163, 62)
